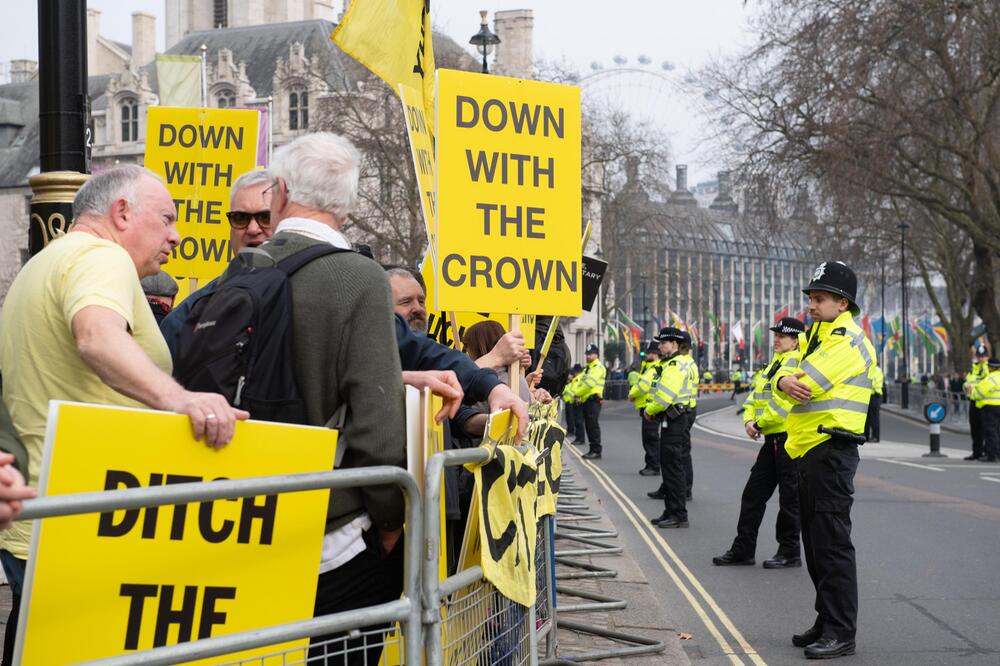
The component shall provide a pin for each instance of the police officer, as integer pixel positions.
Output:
(979, 370)
(640, 394)
(736, 376)
(873, 422)
(589, 395)
(575, 432)
(764, 412)
(830, 391)
(672, 405)
(986, 393)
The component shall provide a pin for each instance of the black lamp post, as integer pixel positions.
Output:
(484, 40)
(905, 387)
(645, 309)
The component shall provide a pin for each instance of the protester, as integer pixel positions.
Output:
(249, 226)
(160, 290)
(76, 326)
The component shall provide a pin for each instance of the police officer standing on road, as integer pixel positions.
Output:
(574, 427)
(976, 375)
(986, 393)
(873, 423)
(673, 405)
(640, 394)
(764, 413)
(589, 395)
(830, 392)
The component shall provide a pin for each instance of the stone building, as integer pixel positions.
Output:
(255, 51)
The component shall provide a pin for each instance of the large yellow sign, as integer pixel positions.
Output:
(114, 583)
(508, 223)
(199, 153)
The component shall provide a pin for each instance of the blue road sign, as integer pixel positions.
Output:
(934, 412)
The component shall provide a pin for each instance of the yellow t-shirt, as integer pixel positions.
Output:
(38, 355)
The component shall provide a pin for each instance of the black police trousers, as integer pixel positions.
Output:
(826, 488)
(976, 428)
(579, 430)
(650, 442)
(673, 435)
(873, 423)
(991, 431)
(591, 419)
(773, 469)
(570, 419)
(688, 464)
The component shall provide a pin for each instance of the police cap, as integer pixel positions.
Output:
(671, 333)
(592, 349)
(837, 278)
(653, 346)
(789, 326)
(576, 368)
(994, 362)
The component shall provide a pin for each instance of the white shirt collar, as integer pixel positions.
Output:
(316, 230)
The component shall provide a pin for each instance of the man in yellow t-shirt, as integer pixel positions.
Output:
(76, 326)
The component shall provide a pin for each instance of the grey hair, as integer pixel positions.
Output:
(255, 177)
(404, 272)
(103, 189)
(321, 171)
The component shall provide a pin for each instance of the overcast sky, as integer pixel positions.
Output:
(684, 33)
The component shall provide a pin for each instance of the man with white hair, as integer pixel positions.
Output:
(249, 226)
(76, 326)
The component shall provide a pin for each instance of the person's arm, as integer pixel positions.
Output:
(13, 490)
(507, 350)
(442, 383)
(104, 344)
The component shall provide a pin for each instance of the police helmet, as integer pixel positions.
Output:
(789, 326)
(592, 349)
(837, 278)
(981, 351)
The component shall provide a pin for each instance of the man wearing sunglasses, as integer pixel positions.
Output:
(249, 226)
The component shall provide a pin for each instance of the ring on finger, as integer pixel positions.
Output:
(209, 416)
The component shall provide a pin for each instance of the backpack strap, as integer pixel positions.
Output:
(296, 261)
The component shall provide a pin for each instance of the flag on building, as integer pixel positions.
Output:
(737, 333)
(392, 38)
(179, 80)
(612, 332)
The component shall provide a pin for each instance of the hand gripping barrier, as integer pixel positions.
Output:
(406, 611)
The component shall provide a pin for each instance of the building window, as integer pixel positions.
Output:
(130, 120)
(226, 99)
(220, 15)
(298, 110)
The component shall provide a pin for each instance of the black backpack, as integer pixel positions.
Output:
(237, 341)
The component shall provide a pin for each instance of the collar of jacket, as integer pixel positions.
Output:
(821, 329)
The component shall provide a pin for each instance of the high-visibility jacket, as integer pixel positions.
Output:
(877, 378)
(569, 390)
(736, 376)
(974, 376)
(836, 364)
(590, 382)
(677, 385)
(706, 377)
(986, 392)
(764, 407)
(644, 388)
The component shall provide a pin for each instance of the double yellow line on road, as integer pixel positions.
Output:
(692, 589)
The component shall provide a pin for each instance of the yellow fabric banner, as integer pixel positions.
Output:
(99, 585)
(507, 488)
(179, 80)
(392, 38)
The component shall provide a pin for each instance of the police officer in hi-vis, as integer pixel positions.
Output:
(829, 392)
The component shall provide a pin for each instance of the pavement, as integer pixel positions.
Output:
(925, 530)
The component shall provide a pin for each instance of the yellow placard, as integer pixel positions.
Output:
(439, 328)
(108, 584)
(509, 188)
(200, 153)
(422, 151)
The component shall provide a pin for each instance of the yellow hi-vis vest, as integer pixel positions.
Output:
(977, 374)
(986, 392)
(768, 409)
(836, 364)
(678, 385)
(590, 382)
(569, 390)
(644, 388)
(877, 378)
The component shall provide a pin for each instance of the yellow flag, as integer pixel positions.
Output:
(179, 80)
(392, 38)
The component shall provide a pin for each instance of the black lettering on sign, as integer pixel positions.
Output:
(167, 615)
(510, 273)
(517, 221)
(519, 477)
(207, 249)
(251, 511)
(418, 68)
(496, 115)
(198, 173)
(197, 211)
(415, 119)
(212, 136)
(507, 168)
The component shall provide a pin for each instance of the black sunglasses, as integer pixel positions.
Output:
(239, 219)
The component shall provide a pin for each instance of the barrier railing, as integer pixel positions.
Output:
(406, 611)
(919, 395)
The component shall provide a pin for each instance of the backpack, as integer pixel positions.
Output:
(237, 341)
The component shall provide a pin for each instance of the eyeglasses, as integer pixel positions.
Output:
(239, 219)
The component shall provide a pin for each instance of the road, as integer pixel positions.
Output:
(927, 533)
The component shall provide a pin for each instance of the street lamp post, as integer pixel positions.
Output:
(905, 387)
(484, 40)
(645, 308)
(881, 349)
(63, 110)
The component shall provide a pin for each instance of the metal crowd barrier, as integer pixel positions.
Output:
(957, 404)
(406, 611)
